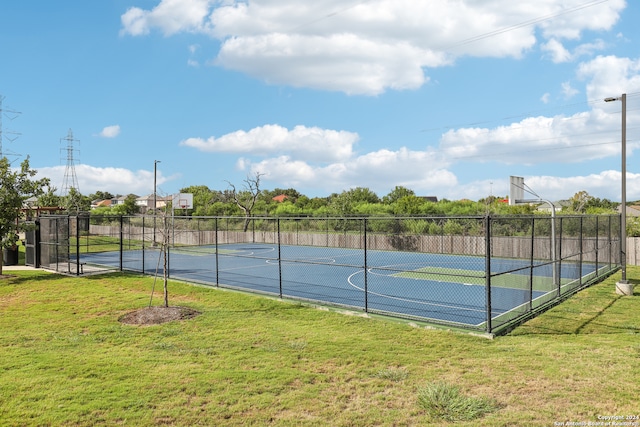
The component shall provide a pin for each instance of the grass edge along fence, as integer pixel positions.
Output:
(484, 274)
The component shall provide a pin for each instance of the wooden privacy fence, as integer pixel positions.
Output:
(590, 248)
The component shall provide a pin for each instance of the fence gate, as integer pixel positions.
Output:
(32, 244)
(54, 243)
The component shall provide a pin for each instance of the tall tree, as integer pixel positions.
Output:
(129, 207)
(396, 194)
(76, 202)
(15, 187)
(100, 195)
(580, 201)
(49, 197)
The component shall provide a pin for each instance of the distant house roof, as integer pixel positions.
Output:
(558, 205)
(281, 198)
(31, 205)
(433, 199)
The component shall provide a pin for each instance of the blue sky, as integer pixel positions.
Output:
(448, 98)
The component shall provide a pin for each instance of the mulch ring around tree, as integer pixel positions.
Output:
(158, 315)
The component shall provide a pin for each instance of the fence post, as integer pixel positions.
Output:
(533, 236)
(581, 248)
(326, 221)
(77, 245)
(597, 245)
(217, 263)
(121, 241)
(143, 245)
(559, 284)
(610, 243)
(366, 289)
(57, 244)
(487, 269)
(279, 258)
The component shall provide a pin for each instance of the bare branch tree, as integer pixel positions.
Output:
(246, 199)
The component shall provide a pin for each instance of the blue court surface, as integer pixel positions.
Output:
(337, 276)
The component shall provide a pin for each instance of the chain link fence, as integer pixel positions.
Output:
(478, 273)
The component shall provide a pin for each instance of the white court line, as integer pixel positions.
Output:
(414, 278)
(407, 299)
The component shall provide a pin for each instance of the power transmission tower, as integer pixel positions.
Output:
(70, 178)
(10, 114)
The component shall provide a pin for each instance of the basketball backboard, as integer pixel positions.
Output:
(516, 189)
(182, 201)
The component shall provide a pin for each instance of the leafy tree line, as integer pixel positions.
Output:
(361, 201)
(249, 200)
(74, 202)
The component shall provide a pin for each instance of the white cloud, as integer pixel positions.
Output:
(557, 51)
(193, 49)
(570, 25)
(534, 140)
(310, 143)
(380, 171)
(587, 49)
(372, 46)
(113, 180)
(610, 76)
(569, 91)
(110, 131)
(604, 185)
(342, 62)
(170, 16)
(560, 54)
(545, 98)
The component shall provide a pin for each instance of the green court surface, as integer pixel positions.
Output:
(476, 277)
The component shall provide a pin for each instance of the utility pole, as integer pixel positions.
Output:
(70, 178)
(10, 114)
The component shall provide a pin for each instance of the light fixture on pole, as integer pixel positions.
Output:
(623, 286)
(155, 204)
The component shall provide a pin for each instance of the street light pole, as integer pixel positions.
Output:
(155, 204)
(623, 201)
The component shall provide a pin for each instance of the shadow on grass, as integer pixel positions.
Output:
(595, 310)
(16, 277)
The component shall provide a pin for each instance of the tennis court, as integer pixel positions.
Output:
(479, 273)
(445, 288)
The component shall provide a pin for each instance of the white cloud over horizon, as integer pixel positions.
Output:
(311, 143)
(111, 179)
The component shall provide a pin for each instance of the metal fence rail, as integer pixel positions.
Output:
(479, 273)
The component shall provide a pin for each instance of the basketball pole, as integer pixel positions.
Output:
(623, 287)
(516, 194)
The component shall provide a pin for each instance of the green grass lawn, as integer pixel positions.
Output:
(66, 360)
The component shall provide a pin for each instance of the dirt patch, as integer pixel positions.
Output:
(158, 315)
